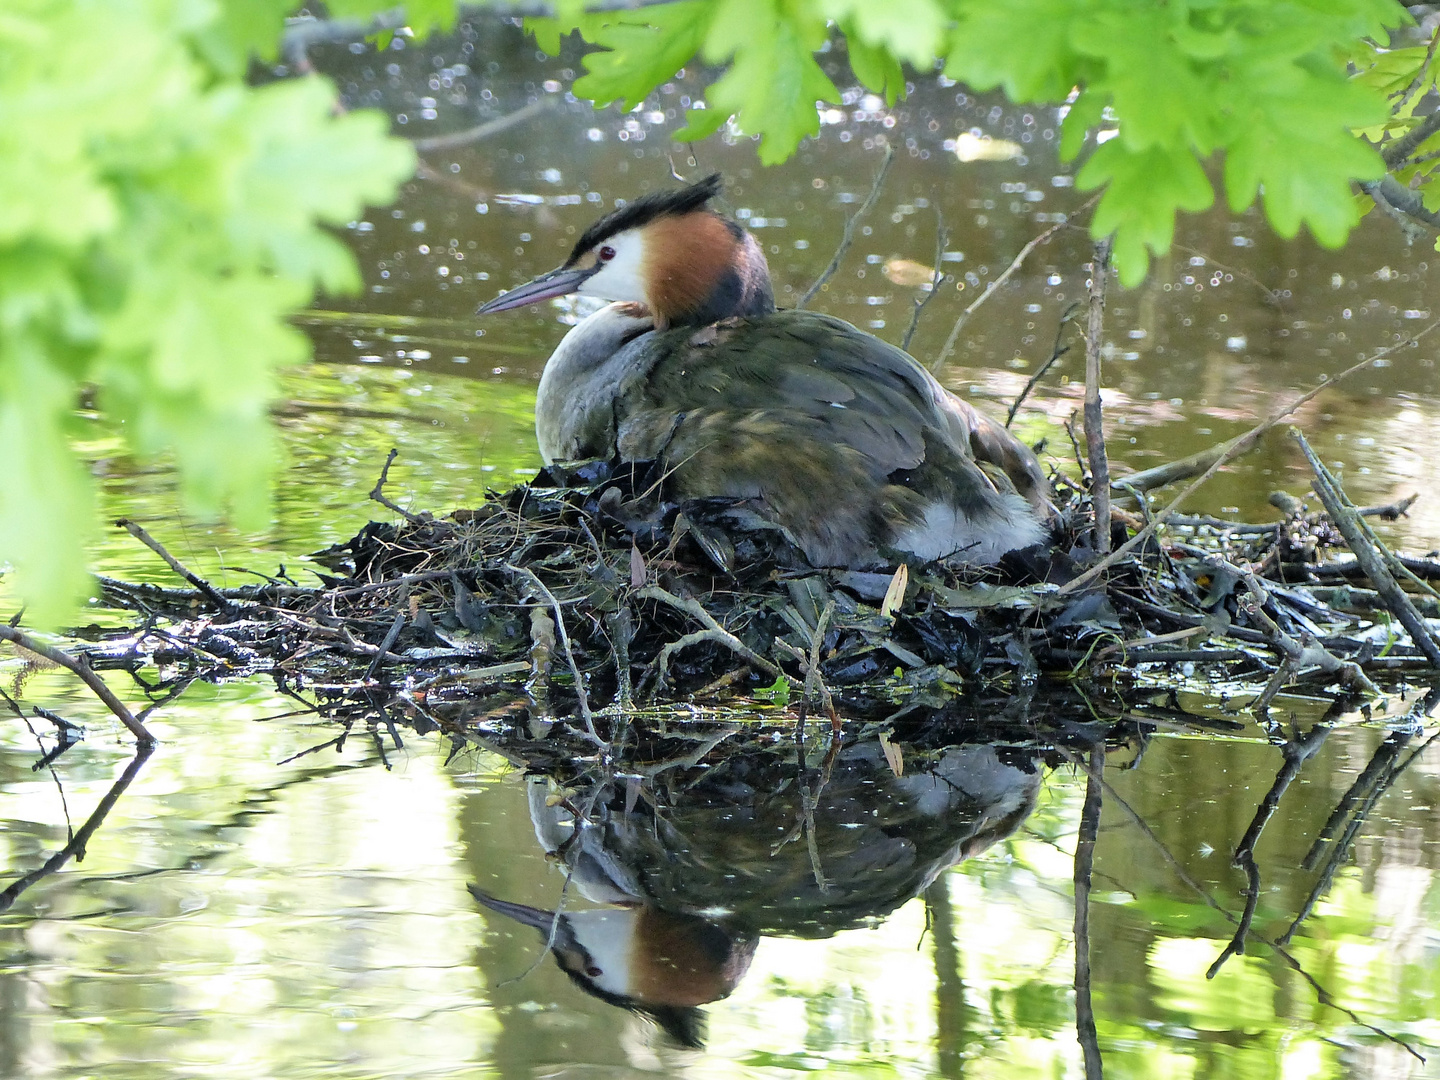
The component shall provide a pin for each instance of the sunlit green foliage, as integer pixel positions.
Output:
(161, 218)
(1411, 144)
(1262, 82)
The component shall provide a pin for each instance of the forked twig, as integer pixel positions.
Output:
(378, 491)
(1004, 277)
(209, 591)
(1056, 352)
(937, 278)
(848, 237)
(1235, 447)
(713, 631)
(85, 674)
(581, 697)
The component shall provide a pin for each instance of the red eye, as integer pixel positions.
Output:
(606, 253)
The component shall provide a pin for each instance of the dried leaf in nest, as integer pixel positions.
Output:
(894, 755)
(895, 594)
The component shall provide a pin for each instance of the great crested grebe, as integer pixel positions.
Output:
(844, 440)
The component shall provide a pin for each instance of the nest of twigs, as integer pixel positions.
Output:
(579, 597)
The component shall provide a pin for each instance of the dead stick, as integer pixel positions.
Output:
(1391, 511)
(937, 278)
(378, 491)
(210, 592)
(1056, 352)
(1235, 447)
(697, 611)
(1181, 469)
(1295, 655)
(391, 636)
(581, 697)
(486, 130)
(85, 675)
(1004, 277)
(1094, 418)
(1345, 519)
(848, 237)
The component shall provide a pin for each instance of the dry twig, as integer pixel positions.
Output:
(1233, 449)
(85, 674)
(848, 237)
(581, 698)
(1004, 277)
(1094, 419)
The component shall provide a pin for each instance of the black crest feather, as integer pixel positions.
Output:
(648, 208)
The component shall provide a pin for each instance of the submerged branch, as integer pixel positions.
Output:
(85, 674)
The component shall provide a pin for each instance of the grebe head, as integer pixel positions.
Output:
(668, 251)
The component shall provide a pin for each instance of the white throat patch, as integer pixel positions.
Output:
(623, 277)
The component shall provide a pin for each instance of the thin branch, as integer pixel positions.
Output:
(486, 130)
(848, 237)
(378, 491)
(1183, 469)
(937, 279)
(86, 675)
(1004, 277)
(391, 636)
(1235, 447)
(580, 696)
(1270, 294)
(1056, 352)
(713, 630)
(210, 592)
(1094, 418)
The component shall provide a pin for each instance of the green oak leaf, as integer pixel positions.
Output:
(1143, 191)
(877, 70)
(773, 82)
(642, 49)
(1021, 46)
(909, 30)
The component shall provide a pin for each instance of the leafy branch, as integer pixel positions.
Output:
(1260, 88)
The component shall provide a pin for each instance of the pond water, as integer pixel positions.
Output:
(243, 911)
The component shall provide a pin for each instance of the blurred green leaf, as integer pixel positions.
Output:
(1143, 192)
(162, 220)
(908, 30)
(876, 69)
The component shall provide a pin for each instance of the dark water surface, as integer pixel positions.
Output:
(243, 914)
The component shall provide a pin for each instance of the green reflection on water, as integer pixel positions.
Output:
(235, 917)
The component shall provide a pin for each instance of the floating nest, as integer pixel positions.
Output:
(579, 599)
